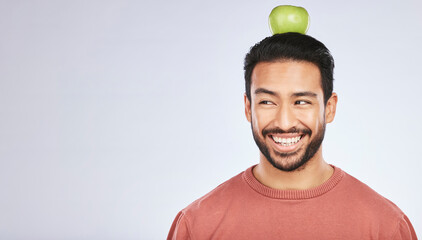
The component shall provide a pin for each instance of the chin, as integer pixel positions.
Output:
(289, 167)
(288, 162)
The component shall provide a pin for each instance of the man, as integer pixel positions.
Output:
(292, 193)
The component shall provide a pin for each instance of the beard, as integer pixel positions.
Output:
(294, 160)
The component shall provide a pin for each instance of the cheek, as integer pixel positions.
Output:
(261, 118)
(312, 119)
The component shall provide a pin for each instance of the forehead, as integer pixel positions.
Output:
(287, 77)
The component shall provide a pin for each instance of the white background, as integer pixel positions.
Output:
(115, 115)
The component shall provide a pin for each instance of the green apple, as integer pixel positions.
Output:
(286, 18)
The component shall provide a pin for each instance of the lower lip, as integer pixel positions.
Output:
(286, 149)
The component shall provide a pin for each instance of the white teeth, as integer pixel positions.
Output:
(286, 141)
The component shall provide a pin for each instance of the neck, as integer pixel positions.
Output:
(314, 173)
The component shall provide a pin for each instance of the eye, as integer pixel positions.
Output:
(302, 102)
(266, 102)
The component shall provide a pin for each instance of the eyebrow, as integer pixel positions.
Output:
(265, 91)
(296, 94)
(305, 94)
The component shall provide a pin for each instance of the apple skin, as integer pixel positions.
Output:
(287, 18)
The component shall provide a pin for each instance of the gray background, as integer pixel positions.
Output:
(114, 115)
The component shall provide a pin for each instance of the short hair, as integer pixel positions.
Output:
(294, 47)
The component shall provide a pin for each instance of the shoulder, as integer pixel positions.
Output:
(364, 205)
(199, 217)
(374, 209)
(216, 198)
(367, 198)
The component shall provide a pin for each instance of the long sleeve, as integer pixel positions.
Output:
(179, 229)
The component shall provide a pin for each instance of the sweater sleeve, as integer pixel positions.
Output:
(405, 230)
(179, 229)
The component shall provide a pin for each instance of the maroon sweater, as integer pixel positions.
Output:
(243, 208)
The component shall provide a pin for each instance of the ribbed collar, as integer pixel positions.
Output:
(293, 194)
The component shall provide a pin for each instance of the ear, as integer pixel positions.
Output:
(330, 108)
(247, 108)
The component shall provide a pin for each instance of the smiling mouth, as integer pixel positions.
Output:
(286, 141)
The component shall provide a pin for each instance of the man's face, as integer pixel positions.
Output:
(287, 112)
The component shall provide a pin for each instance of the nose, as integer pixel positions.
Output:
(286, 118)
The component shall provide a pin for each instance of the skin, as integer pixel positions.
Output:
(278, 102)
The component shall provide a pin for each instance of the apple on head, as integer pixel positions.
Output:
(286, 18)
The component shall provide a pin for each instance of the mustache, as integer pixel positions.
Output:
(302, 131)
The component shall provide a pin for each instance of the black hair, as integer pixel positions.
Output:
(294, 47)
